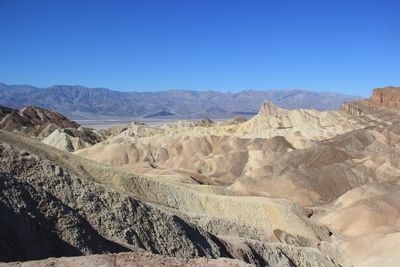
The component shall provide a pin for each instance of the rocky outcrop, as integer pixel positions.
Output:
(381, 98)
(387, 97)
(268, 109)
(353, 109)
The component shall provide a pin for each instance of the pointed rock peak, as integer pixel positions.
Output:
(268, 108)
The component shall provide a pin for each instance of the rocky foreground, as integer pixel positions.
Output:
(284, 188)
(132, 259)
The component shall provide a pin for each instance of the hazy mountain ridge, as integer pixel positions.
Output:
(82, 102)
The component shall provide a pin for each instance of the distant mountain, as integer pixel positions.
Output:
(78, 102)
(160, 114)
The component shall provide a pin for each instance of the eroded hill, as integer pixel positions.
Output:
(283, 188)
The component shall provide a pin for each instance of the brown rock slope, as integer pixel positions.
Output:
(51, 127)
(33, 121)
(30, 118)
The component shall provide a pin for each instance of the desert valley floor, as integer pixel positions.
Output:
(283, 188)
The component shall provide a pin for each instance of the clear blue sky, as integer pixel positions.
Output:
(342, 46)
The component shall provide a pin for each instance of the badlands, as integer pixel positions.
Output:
(283, 188)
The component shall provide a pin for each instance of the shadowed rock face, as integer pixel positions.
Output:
(4, 111)
(45, 198)
(29, 219)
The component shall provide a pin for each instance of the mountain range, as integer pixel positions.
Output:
(79, 102)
